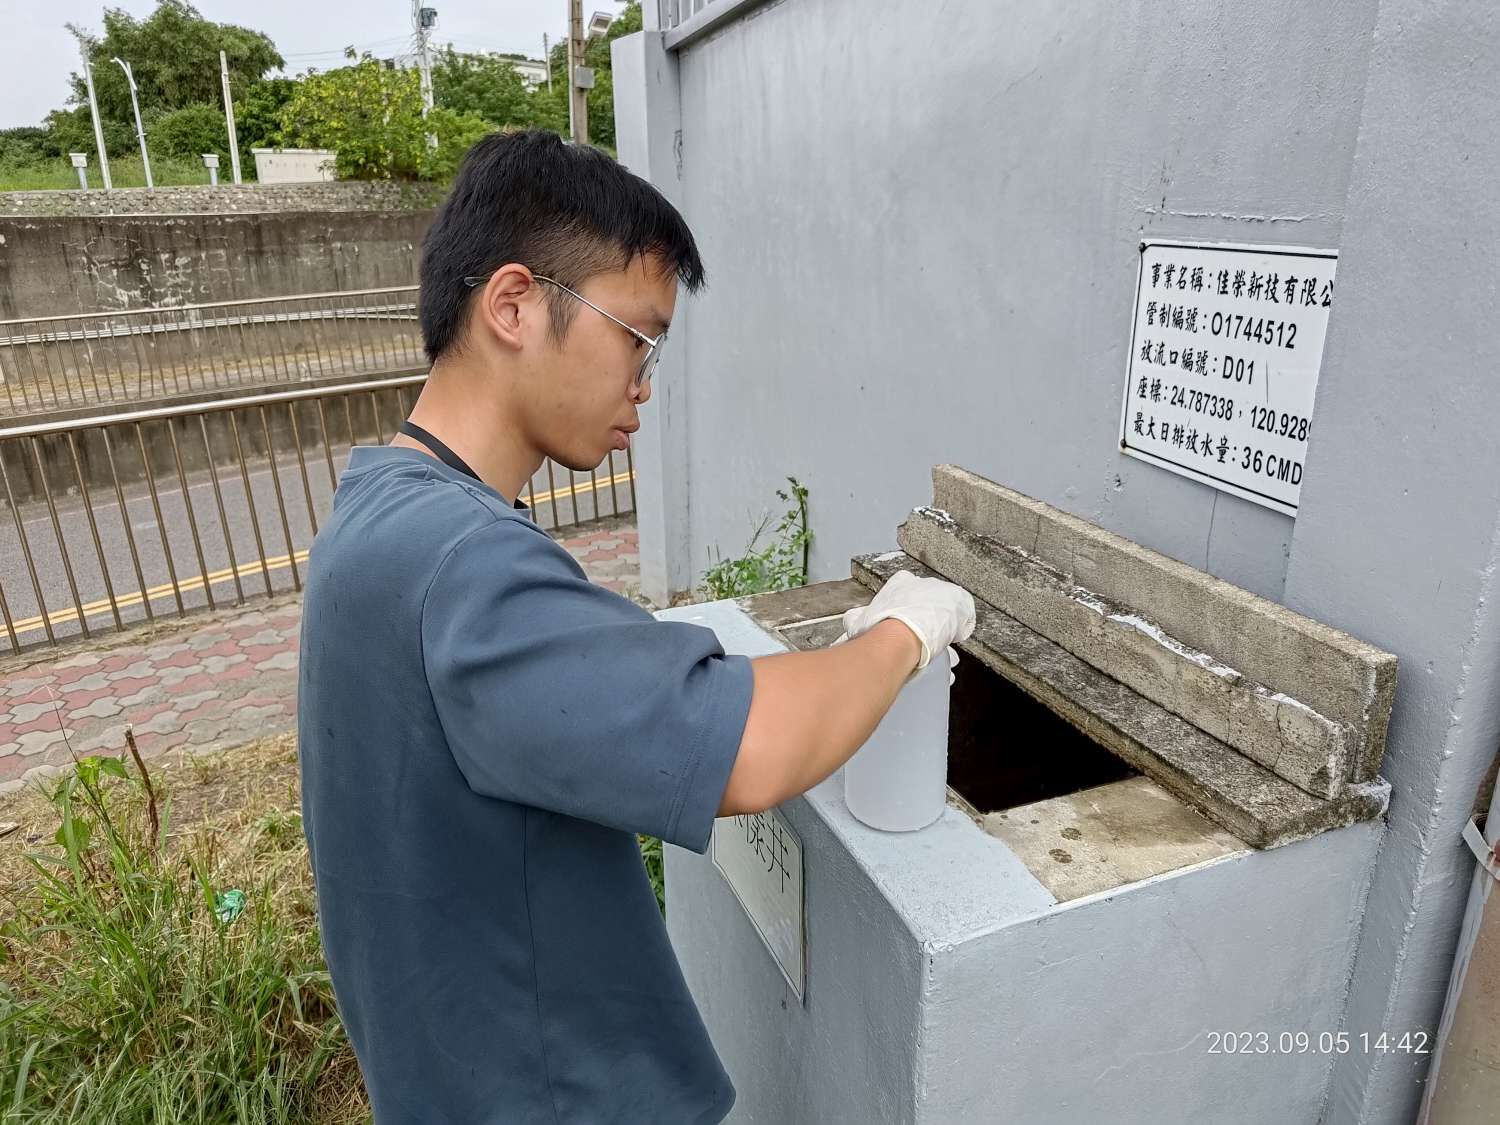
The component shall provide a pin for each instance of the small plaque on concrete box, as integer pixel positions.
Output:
(760, 857)
(1224, 357)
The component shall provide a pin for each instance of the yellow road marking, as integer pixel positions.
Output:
(244, 570)
(603, 482)
(124, 601)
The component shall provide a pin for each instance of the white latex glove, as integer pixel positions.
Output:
(952, 661)
(940, 613)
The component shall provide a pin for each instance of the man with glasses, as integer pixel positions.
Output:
(483, 732)
(652, 346)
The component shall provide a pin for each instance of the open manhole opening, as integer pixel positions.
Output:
(1006, 749)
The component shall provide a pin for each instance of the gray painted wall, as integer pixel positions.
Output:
(1397, 538)
(907, 270)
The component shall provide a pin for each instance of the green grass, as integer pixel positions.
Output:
(780, 565)
(124, 171)
(651, 857)
(125, 998)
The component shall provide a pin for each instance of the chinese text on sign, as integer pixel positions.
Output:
(1224, 358)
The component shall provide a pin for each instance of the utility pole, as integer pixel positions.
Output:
(135, 105)
(422, 20)
(547, 54)
(234, 143)
(578, 103)
(88, 78)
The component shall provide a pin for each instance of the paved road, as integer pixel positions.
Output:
(240, 553)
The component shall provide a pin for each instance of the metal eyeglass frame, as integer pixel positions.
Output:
(653, 347)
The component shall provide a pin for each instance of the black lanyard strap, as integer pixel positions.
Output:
(439, 450)
(447, 456)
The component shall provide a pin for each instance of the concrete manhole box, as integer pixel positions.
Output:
(1143, 900)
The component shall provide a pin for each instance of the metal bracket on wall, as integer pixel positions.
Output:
(1488, 855)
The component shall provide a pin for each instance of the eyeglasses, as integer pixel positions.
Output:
(653, 347)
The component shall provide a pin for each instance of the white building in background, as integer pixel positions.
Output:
(532, 71)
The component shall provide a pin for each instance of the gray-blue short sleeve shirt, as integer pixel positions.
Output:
(482, 733)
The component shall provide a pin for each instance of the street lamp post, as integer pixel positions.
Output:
(234, 140)
(88, 78)
(135, 105)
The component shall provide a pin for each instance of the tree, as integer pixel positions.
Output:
(190, 132)
(25, 144)
(456, 134)
(371, 116)
(174, 53)
(72, 130)
(486, 86)
(257, 116)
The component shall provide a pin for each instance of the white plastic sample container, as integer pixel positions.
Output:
(898, 780)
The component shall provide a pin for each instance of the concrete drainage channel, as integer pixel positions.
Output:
(1155, 844)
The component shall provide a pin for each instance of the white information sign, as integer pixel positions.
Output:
(760, 857)
(1224, 359)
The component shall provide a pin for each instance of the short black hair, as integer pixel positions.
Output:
(566, 211)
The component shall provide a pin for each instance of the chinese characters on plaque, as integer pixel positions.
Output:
(760, 856)
(1225, 350)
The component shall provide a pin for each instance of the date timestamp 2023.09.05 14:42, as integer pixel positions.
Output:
(1318, 1043)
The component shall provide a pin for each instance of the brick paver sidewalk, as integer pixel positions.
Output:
(215, 680)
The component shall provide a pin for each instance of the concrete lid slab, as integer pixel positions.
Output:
(1339, 676)
(1277, 730)
(1261, 808)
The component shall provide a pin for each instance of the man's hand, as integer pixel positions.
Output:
(940, 613)
(812, 710)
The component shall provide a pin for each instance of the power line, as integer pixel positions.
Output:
(340, 50)
(469, 47)
(487, 44)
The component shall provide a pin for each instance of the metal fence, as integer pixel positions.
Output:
(90, 360)
(133, 516)
(675, 13)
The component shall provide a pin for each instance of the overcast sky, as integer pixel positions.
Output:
(37, 53)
